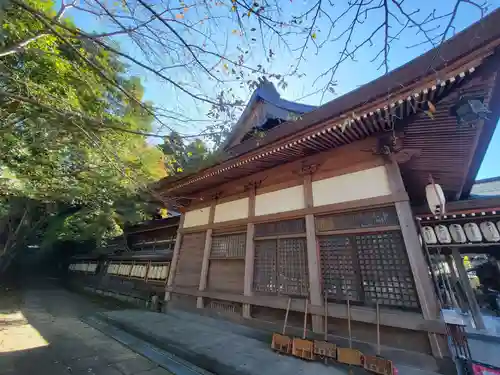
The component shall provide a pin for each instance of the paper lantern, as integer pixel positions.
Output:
(472, 232)
(457, 233)
(435, 199)
(490, 232)
(164, 271)
(429, 235)
(442, 233)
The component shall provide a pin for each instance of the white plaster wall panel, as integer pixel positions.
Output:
(196, 217)
(233, 210)
(280, 201)
(369, 183)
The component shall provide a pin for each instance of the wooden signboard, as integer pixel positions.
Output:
(378, 365)
(350, 356)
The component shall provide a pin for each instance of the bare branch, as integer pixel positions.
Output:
(98, 123)
(158, 16)
(63, 8)
(386, 37)
(115, 51)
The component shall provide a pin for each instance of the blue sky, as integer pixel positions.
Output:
(350, 75)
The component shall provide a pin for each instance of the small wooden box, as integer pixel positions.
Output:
(303, 349)
(281, 343)
(378, 365)
(350, 356)
(325, 349)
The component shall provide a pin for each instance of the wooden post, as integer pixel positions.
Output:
(312, 256)
(175, 258)
(419, 268)
(249, 253)
(469, 293)
(206, 256)
(455, 279)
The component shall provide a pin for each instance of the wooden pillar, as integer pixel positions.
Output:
(312, 256)
(420, 269)
(206, 256)
(454, 279)
(249, 253)
(469, 293)
(175, 258)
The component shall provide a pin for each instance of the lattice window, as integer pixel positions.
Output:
(280, 227)
(338, 268)
(281, 266)
(385, 270)
(377, 217)
(265, 266)
(368, 267)
(293, 278)
(228, 246)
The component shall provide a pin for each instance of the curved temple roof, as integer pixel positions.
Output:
(467, 64)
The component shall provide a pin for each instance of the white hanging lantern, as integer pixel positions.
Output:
(164, 272)
(435, 199)
(442, 234)
(472, 232)
(457, 233)
(490, 232)
(429, 235)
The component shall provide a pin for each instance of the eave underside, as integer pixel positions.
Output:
(443, 150)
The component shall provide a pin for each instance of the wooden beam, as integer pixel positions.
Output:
(418, 264)
(175, 258)
(249, 253)
(206, 256)
(388, 317)
(386, 228)
(469, 293)
(380, 201)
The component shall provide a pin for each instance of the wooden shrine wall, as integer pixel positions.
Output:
(190, 259)
(336, 209)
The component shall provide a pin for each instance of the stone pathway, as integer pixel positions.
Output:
(222, 347)
(41, 333)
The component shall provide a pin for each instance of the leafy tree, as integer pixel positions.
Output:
(70, 168)
(187, 157)
(209, 53)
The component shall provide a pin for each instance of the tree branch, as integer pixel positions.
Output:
(116, 52)
(19, 46)
(95, 122)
